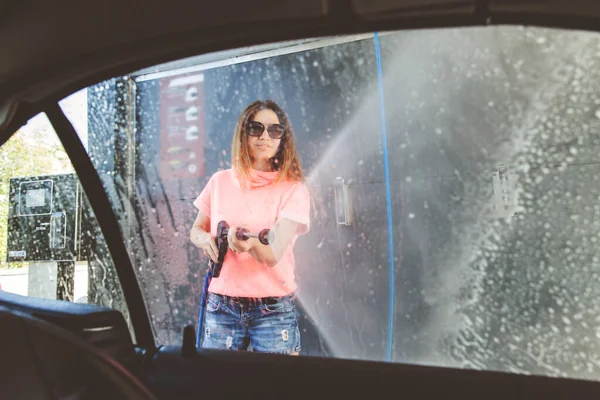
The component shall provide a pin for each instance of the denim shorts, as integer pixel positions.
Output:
(267, 325)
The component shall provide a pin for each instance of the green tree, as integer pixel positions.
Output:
(27, 154)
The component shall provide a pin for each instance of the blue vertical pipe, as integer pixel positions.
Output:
(202, 312)
(388, 195)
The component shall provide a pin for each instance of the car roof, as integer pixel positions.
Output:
(51, 49)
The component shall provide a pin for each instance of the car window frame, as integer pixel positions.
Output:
(90, 179)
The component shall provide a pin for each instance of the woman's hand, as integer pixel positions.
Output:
(201, 237)
(283, 231)
(208, 243)
(237, 245)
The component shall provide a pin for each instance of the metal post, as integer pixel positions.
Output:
(65, 285)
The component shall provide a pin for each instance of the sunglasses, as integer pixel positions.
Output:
(256, 129)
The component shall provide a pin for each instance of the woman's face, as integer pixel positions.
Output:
(263, 147)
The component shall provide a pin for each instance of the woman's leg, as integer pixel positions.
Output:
(273, 328)
(222, 326)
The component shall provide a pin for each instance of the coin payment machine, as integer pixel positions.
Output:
(44, 220)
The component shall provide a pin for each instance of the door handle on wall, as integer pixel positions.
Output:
(343, 202)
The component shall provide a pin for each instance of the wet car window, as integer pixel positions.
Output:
(452, 192)
(51, 244)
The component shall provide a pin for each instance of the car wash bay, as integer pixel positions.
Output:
(184, 121)
(341, 103)
(421, 131)
(343, 270)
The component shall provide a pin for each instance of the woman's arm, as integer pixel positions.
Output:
(201, 237)
(284, 230)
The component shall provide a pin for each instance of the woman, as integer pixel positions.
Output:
(251, 302)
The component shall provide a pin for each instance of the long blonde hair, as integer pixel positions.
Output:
(286, 160)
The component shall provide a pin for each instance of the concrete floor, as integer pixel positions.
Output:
(17, 280)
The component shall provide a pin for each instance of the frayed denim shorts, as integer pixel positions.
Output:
(266, 325)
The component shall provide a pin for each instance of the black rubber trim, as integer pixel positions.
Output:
(482, 10)
(92, 185)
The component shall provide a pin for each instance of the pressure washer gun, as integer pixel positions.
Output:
(266, 237)
(222, 245)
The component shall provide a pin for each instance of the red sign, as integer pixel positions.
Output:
(182, 127)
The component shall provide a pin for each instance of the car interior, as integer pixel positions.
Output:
(450, 145)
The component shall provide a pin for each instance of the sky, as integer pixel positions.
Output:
(74, 107)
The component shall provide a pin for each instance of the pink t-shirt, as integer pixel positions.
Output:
(256, 207)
